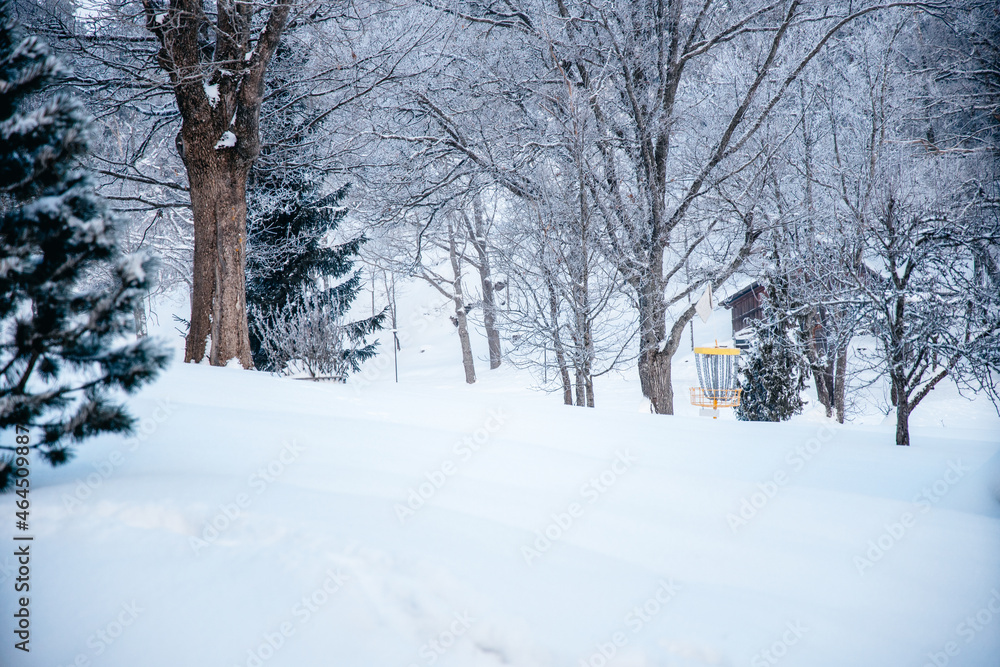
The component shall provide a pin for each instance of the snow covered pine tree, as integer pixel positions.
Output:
(297, 296)
(61, 351)
(771, 375)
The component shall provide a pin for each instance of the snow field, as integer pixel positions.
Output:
(260, 521)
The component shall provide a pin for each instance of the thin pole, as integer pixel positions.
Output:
(395, 338)
(687, 277)
(395, 361)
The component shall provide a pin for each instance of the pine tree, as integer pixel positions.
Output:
(293, 272)
(771, 374)
(62, 348)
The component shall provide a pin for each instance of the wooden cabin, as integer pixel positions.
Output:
(745, 306)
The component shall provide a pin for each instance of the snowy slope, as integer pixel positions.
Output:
(267, 521)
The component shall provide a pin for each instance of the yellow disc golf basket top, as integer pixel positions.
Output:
(717, 369)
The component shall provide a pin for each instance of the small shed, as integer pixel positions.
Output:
(746, 306)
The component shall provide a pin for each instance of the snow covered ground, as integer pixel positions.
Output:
(266, 521)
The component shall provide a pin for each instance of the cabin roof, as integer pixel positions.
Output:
(728, 301)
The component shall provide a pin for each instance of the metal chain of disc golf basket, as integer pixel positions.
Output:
(720, 371)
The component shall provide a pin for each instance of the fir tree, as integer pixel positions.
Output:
(771, 373)
(62, 351)
(293, 272)
(299, 287)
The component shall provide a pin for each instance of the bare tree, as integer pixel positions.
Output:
(478, 230)
(308, 334)
(452, 289)
(665, 142)
(897, 249)
(930, 312)
(564, 298)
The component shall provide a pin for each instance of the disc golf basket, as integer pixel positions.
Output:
(717, 369)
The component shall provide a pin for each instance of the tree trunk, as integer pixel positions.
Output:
(903, 424)
(820, 364)
(824, 380)
(486, 278)
(654, 365)
(581, 387)
(840, 384)
(557, 340)
(489, 317)
(652, 330)
(460, 314)
(581, 295)
(230, 332)
(139, 313)
(588, 358)
(463, 336)
(203, 280)
(661, 389)
(583, 342)
(218, 298)
(564, 375)
(821, 393)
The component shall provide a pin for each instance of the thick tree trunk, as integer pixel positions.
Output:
(218, 299)
(661, 388)
(230, 332)
(652, 331)
(654, 362)
(203, 280)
